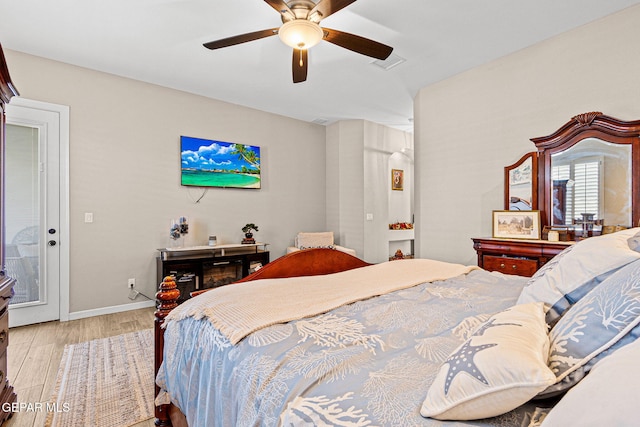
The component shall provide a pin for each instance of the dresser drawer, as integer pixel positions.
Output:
(4, 331)
(509, 265)
(4, 341)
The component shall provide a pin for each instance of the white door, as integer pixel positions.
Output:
(32, 209)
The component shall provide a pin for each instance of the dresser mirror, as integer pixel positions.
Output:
(521, 184)
(592, 182)
(589, 174)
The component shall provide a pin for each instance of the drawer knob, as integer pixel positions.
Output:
(502, 265)
(515, 267)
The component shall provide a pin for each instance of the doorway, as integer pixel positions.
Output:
(37, 243)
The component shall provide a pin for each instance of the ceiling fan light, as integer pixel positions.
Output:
(300, 34)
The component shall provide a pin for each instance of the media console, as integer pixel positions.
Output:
(204, 267)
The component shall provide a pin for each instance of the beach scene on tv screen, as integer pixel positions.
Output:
(210, 163)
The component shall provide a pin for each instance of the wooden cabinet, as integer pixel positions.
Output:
(7, 396)
(519, 257)
(510, 265)
(208, 268)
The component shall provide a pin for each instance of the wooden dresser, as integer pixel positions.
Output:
(7, 396)
(512, 256)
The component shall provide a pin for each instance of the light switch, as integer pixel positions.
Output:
(369, 217)
(88, 217)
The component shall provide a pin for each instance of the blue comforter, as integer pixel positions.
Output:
(365, 364)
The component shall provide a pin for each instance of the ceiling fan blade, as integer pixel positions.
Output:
(281, 7)
(242, 38)
(329, 7)
(300, 65)
(357, 44)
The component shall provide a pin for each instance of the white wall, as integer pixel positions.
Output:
(401, 207)
(359, 183)
(345, 183)
(467, 128)
(125, 165)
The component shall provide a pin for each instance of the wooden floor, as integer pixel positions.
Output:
(35, 351)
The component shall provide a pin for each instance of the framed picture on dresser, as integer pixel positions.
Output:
(516, 224)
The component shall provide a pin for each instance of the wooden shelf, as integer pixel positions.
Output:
(188, 251)
(399, 235)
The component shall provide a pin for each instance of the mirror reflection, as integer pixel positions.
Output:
(591, 186)
(520, 186)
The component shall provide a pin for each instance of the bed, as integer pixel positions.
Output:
(406, 343)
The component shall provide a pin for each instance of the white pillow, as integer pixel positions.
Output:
(608, 396)
(500, 367)
(571, 274)
(314, 240)
(634, 242)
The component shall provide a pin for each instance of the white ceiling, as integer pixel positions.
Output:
(160, 41)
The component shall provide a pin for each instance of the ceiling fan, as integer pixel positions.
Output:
(301, 30)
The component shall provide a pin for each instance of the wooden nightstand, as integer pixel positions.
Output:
(513, 256)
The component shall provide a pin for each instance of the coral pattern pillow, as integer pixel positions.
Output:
(575, 271)
(500, 367)
(605, 319)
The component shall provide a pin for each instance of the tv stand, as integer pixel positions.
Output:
(204, 267)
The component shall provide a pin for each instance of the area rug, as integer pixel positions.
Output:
(104, 382)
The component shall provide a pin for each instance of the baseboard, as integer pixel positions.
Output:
(110, 310)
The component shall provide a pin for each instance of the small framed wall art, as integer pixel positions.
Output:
(397, 179)
(516, 224)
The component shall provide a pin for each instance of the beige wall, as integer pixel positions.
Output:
(358, 183)
(124, 167)
(467, 128)
(124, 155)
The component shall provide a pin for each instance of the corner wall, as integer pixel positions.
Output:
(125, 166)
(359, 183)
(467, 128)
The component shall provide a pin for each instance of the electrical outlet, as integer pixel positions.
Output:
(131, 283)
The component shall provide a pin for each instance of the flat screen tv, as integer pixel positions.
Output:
(210, 163)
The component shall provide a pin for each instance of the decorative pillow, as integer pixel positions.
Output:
(608, 396)
(634, 242)
(314, 240)
(578, 269)
(500, 367)
(317, 247)
(605, 318)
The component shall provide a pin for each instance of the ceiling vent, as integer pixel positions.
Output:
(390, 62)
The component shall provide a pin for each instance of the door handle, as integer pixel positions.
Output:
(51, 243)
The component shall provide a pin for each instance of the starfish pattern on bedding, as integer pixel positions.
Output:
(462, 361)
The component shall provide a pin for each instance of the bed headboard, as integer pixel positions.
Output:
(308, 262)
